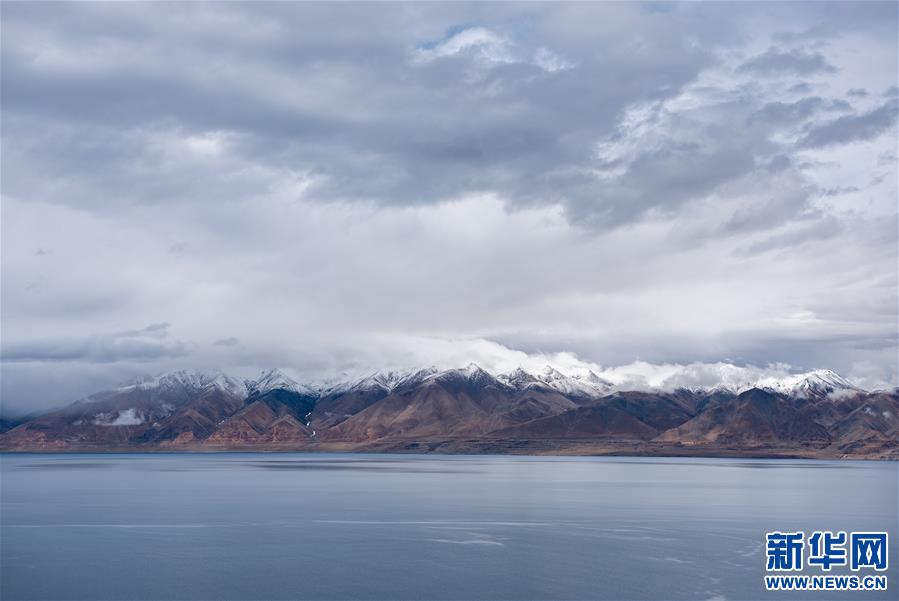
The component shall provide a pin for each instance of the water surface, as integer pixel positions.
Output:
(345, 526)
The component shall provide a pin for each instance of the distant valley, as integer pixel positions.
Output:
(469, 410)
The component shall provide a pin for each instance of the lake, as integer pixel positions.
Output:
(350, 526)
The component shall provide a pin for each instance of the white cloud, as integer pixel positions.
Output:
(550, 61)
(487, 45)
(582, 184)
(490, 48)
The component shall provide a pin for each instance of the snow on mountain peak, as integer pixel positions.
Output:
(591, 377)
(471, 373)
(473, 370)
(193, 380)
(419, 374)
(817, 382)
(584, 385)
(385, 380)
(518, 378)
(583, 382)
(275, 379)
(551, 373)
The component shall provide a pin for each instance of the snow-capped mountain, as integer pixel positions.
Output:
(190, 380)
(469, 406)
(589, 385)
(819, 382)
(815, 383)
(519, 379)
(381, 380)
(470, 376)
(275, 379)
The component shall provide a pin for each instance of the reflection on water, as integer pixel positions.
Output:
(322, 526)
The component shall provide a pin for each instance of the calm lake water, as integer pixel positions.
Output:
(335, 526)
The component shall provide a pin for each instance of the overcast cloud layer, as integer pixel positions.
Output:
(338, 188)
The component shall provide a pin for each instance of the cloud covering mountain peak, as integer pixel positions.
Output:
(650, 194)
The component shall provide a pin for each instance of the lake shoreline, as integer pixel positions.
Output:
(468, 447)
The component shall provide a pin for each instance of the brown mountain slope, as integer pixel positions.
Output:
(129, 416)
(536, 402)
(660, 411)
(196, 420)
(874, 423)
(332, 409)
(600, 421)
(463, 410)
(274, 416)
(753, 417)
(429, 411)
(259, 423)
(466, 402)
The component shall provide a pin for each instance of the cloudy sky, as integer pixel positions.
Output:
(330, 188)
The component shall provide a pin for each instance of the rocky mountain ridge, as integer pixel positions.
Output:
(469, 409)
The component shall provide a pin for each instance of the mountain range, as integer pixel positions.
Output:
(469, 410)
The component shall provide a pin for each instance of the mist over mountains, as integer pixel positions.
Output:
(453, 183)
(469, 409)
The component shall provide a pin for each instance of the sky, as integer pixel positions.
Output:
(338, 188)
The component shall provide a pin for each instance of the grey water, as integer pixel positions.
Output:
(349, 526)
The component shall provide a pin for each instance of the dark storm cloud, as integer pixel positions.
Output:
(800, 88)
(330, 185)
(154, 330)
(662, 178)
(788, 112)
(819, 230)
(359, 112)
(132, 345)
(777, 61)
(850, 128)
(839, 190)
(356, 113)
